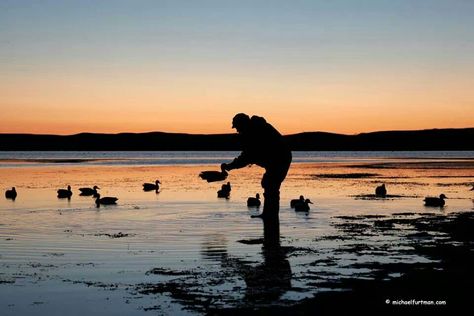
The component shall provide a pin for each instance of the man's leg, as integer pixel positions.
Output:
(271, 183)
(271, 193)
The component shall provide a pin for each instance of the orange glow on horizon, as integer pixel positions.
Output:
(63, 105)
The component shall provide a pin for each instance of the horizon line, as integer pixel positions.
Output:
(181, 133)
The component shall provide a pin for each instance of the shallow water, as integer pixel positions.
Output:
(58, 255)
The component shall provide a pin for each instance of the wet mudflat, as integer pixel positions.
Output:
(184, 251)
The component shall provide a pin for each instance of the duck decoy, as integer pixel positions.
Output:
(472, 189)
(434, 201)
(254, 201)
(107, 200)
(11, 194)
(224, 192)
(89, 191)
(381, 191)
(213, 176)
(296, 201)
(151, 186)
(62, 193)
(303, 206)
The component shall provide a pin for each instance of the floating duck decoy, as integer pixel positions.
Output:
(472, 189)
(381, 191)
(434, 201)
(151, 186)
(89, 191)
(254, 201)
(224, 192)
(105, 200)
(296, 201)
(62, 193)
(213, 176)
(11, 194)
(303, 206)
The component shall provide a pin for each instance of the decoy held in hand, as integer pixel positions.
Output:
(224, 192)
(151, 186)
(213, 176)
(105, 200)
(296, 201)
(89, 191)
(11, 194)
(381, 191)
(62, 193)
(303, 206)
(254, 201)
(434, 201)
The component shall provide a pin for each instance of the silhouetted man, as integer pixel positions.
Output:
(264, 146)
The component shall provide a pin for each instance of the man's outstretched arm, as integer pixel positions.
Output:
(237, 163)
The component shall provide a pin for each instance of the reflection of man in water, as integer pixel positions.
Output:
(264, 146)
(265, 282)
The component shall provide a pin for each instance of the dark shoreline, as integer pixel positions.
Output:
(425, 140)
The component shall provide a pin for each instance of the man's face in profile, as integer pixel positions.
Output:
(240, 123)
(239, 126)
(237, 129)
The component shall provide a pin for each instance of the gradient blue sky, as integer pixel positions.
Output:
(189, 66)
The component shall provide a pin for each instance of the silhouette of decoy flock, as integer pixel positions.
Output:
(300, 205)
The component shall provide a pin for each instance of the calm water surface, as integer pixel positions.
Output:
(46, 158)
(58, 255)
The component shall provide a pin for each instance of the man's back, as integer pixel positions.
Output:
(263, 143)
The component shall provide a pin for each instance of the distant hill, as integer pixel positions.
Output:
(432, 139)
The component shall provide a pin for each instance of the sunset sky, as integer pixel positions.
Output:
(189, 66)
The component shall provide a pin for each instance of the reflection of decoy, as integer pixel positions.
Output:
(296, 201)
(434, 201)
(254, 201)
(381, 190)
(224, 192)
(62, 193)
(89, 191)
(303, 206)
(212, 176)
(11, 194)
(151, 186)
(105, 200)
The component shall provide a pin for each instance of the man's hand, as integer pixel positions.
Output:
(225, 167)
